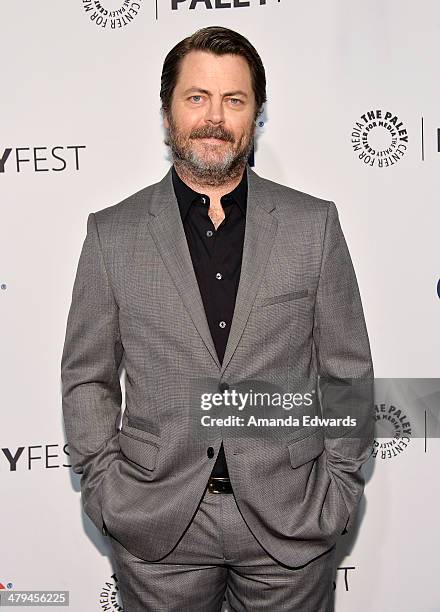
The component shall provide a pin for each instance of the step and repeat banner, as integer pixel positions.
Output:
(352, 116)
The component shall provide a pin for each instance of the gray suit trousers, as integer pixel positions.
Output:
(217, 559)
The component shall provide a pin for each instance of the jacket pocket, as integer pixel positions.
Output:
(139, 446)
(305, 449)
(284, 297)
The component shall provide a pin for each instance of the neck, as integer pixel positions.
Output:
(212, 188)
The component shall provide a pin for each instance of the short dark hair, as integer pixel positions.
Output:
(220, 41)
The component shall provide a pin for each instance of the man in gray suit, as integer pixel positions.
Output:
(213, 281)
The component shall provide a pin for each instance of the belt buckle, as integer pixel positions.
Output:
(219, 484)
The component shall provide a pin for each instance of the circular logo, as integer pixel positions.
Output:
(393, 431)
(379, 138)
(109, 597)
(111, 14)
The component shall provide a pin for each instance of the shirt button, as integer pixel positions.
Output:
(219, 276)
(222, 324)
(210, 452)
(223, 386)
(209, 233)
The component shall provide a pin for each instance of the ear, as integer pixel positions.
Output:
(166, 123)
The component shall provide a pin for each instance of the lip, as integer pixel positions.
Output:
(213, 140)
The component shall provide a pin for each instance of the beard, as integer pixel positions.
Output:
(215, 164)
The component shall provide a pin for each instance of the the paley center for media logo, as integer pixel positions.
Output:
(393, 431)
(111, 14)
(110, 596)
(379, 138)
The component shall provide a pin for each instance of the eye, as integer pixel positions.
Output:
(196, 96)
(236, 100)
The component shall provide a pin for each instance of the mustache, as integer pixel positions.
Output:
(208, 132)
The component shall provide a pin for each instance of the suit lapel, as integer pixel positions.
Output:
(167, 230)
(260, 231)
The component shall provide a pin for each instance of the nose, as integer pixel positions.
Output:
(215, 112)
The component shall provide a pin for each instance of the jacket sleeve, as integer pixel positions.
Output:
(91, 392)
(345, 367)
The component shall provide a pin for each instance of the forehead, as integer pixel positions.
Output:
(207, 70)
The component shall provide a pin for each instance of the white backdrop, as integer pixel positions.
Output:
(80, 102)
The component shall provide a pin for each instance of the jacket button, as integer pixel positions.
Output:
(210, 452)
(223, 386)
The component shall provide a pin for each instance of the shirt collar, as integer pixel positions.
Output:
(186, 196)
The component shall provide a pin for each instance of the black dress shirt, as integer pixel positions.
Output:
(216, 256)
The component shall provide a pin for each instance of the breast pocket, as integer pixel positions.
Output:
(283, 297)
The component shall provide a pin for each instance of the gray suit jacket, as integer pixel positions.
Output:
(298, 316)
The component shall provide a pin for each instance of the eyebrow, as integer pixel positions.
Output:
(205, 91)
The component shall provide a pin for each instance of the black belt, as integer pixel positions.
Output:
(219, 484)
